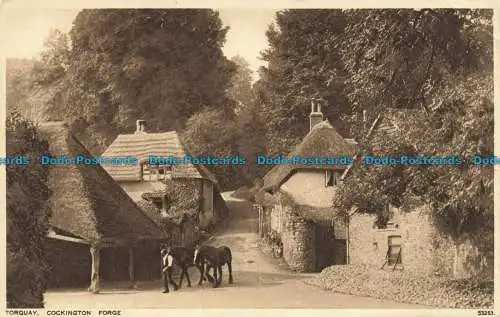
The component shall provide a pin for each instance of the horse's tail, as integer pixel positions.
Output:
(229, 253)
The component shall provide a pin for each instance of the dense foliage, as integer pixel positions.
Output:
(27, 215)
(211, 132)
(303, 62)
(455, 88)
(117, 66)
(362, 62)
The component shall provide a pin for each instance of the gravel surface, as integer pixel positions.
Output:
(405, 287)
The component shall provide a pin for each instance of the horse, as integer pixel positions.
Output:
(214, 258)
(184, 259)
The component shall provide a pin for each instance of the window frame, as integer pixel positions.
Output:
(331, 175)
(154, 172)
(392, 258)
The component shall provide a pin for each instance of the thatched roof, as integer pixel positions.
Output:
(321, 141)
(142, 145)
(86, 201)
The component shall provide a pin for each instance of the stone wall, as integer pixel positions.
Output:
(276, 218)
(424, 249)
(298, 238)
(185, 235)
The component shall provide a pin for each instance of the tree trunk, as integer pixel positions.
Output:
(347, 255)
(458, 267)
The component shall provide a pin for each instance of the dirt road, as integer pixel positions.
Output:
(258, 282)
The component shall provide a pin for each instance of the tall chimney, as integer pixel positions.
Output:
(140, 126)
(316, 115)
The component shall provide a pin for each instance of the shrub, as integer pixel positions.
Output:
(27, 216)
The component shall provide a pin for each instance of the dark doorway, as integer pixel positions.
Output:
(114, 264)
(340, 252)
(325, 245)
(69, 263)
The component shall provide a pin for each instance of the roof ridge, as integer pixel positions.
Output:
(93, 196)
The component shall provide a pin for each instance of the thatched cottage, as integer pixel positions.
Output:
(185, 195)
(97, 232)
(295, 200)
(408, 239)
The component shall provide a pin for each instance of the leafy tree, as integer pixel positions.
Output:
(27, 215)
(240, 89)
(157, 65)
(250, 133)
(396, 58)
(49, 87)
(457, 92)
(211, 132)
(18, 84)
(303, 63)
(54, 58)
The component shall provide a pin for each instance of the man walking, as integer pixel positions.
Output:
(167, 262)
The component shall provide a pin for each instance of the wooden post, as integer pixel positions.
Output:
(259, 208)
(131, 267)
(347, 247)
(94, 277)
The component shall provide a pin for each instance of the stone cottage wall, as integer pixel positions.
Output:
(185, 236)
(424, 249)
(298, 238)
(277, 218)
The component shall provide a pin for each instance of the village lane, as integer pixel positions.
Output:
(258, 281)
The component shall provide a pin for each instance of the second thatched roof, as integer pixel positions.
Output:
(142, 146)
(322, 141)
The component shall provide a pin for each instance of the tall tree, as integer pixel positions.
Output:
(157, 65)
(457, 91)
(250, 133)
(303, 63)
(27, 215)
(240, 89)
(395, 58)
(49, 87)
(211, 132)
(18, 84)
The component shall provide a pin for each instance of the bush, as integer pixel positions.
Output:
(27, 216)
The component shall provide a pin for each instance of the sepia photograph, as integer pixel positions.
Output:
(199, 158)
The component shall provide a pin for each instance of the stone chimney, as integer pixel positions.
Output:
(316, 115)
(354, 144)
(140, 126)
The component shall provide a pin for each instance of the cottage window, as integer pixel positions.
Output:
(394, 251)
(146, 172)
(155, 172)
(164, 172)
(331, 178)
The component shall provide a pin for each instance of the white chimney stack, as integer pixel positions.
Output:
(316, 115)
(140, 126)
